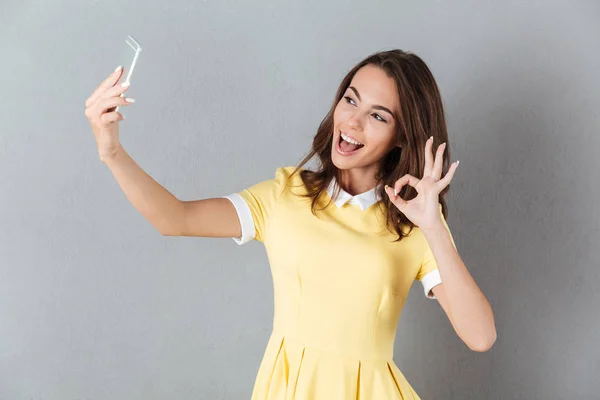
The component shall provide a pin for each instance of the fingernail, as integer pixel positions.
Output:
(431, 138)
(118, 68)
(457, 162)
(395, 194)
(129, 100)
(125, 84)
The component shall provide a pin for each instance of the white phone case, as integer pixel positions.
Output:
(134, 49)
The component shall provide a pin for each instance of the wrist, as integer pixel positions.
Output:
(107, 157)
(435, 229)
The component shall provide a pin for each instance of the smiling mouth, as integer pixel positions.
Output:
(348, 147)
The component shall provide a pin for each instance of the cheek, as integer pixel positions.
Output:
(336, 114)
(341, 114)
(382, 141)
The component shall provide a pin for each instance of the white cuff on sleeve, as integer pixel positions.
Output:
(430, 280)
(245, 217)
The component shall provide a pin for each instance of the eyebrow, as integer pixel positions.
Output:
(377, 107)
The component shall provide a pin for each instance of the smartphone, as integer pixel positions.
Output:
(129, 56)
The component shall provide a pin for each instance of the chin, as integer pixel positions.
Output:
(338, 160)
(343, 164)
(339, 165)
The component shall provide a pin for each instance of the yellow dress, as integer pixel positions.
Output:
(339, 287)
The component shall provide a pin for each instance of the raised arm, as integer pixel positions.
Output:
(216, 217)
(211, 217)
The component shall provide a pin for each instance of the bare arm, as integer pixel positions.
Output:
(214, 217)
(171, 217)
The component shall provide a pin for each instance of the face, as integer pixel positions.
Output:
(362, 114)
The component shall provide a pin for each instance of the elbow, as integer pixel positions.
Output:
(166, 229)
(484, 344)
(168, 232)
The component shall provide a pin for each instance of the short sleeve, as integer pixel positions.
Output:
(429, 274)
(255, 203)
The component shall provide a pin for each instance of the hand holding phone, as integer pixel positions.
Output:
(105, 100)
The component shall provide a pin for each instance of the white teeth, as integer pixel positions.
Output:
(347, 139)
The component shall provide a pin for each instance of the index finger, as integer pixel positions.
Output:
(107, 83)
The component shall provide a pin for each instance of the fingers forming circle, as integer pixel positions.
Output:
(406, 179)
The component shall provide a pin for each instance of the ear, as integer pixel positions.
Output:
(398, 141)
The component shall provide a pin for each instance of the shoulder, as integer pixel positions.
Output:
(289, 180)
(286, 174)
(285, 170)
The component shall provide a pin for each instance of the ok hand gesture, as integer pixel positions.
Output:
(423, 210)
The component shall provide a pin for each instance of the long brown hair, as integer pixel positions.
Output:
(421, 116)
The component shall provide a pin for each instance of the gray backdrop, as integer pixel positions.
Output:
(96, 304)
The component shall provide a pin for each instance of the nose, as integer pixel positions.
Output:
(354, 121)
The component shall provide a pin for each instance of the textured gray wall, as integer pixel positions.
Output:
(95, 304)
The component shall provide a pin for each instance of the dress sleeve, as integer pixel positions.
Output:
(429, 274)
(254, 205)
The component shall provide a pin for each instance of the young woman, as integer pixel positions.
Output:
(344, 242)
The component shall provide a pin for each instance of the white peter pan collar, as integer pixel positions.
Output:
(363, 200)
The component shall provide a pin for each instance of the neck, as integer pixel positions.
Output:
(356, 181)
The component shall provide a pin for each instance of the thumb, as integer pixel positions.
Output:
(395, 198)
